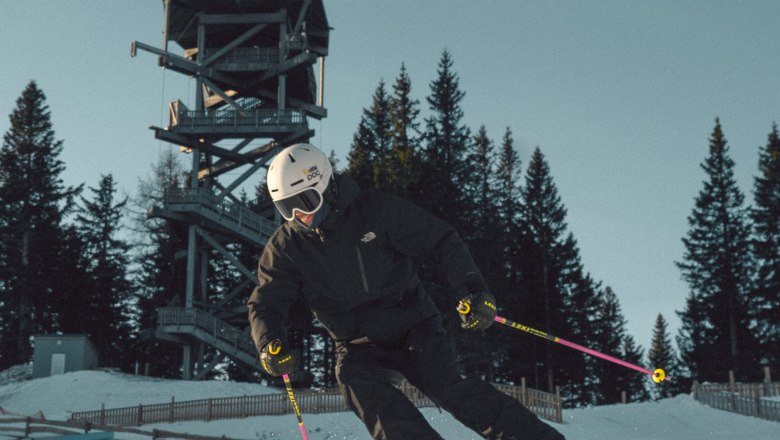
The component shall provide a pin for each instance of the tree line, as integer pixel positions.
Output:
(76, 261)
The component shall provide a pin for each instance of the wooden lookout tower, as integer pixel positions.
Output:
(258, 70)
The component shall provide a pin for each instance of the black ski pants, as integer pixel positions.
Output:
(366, 374)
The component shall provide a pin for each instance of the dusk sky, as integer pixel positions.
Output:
(620, 96)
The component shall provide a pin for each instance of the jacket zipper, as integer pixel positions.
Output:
(362, 269)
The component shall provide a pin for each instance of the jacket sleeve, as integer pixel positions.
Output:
(414, 231)
(270, 302)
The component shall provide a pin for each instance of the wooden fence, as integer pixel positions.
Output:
(313, 402)
(24, 427)
(742, 398)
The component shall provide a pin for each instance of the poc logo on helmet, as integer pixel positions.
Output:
(312, 173)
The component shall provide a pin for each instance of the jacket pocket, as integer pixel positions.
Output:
(362, 267)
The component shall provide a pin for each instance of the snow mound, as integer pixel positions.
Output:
(58, 396)
(679, 418)
(16, 373)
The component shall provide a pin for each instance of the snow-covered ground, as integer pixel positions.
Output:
(680, 418)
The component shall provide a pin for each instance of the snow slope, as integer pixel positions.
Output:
(680, 418)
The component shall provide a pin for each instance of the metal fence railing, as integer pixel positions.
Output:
(314, 402)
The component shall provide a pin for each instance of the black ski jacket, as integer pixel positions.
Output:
(357, 272)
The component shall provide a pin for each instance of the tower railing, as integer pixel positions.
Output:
(268, 119)
(224, 210)
(191, 318)
(247, 56)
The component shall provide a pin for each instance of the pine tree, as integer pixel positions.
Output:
(479, 353)
(403, 165)
(362, 156)
(545, 262)
(161, 275)
(105, 261)
(692, 340)
(439, 189)
(508, 181)
(368, 156)
(506, 207)
(662, 355)
(609, 334)
(579, 384)
(631, 382)
(479, 190)
(766, 247)
(716, 265)
(446, 141)
(33, 204)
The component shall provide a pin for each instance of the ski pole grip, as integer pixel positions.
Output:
(464, 308)
(275, 347)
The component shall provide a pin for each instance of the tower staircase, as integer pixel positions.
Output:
(256, 86)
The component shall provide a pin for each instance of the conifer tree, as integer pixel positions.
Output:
(631, 382)
(162, 274)
(507, 208)
(543, 266)
(362, 156)
(580, 386)
(403, 167)
(609, 334)
(33, 204)
(716, 265)
(446, 141)
(508, 182)
(766, 247)
(371, 144)
(479, 190)
(692, 340)
(483, 232)
(662, 355)
(105, 261)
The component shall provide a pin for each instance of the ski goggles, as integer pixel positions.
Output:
(307, 201)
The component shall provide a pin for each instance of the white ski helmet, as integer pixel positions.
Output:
(297, 179)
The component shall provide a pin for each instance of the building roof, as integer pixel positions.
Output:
(182, 24)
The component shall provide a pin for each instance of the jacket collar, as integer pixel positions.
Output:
(348, 190)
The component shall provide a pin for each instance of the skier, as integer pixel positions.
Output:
(350, 254)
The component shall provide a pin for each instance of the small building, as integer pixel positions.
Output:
(58, 354)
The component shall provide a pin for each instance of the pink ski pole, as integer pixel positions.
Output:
(658, 375)
(295, 406)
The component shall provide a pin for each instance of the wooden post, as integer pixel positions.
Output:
(695, 390)
(170, 417)
(732, 391)
(623, 397)
(140, 414)
(523, 392)
(102, 413)
(767, 382)
(558, 405)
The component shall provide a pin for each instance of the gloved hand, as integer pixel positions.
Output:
(276, 360)
(477, 311)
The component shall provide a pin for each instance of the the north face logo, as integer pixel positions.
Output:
(368, 237)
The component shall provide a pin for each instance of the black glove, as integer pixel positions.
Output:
(276, 360)
(477, 311)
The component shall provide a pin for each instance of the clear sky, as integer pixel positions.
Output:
(621, 97)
